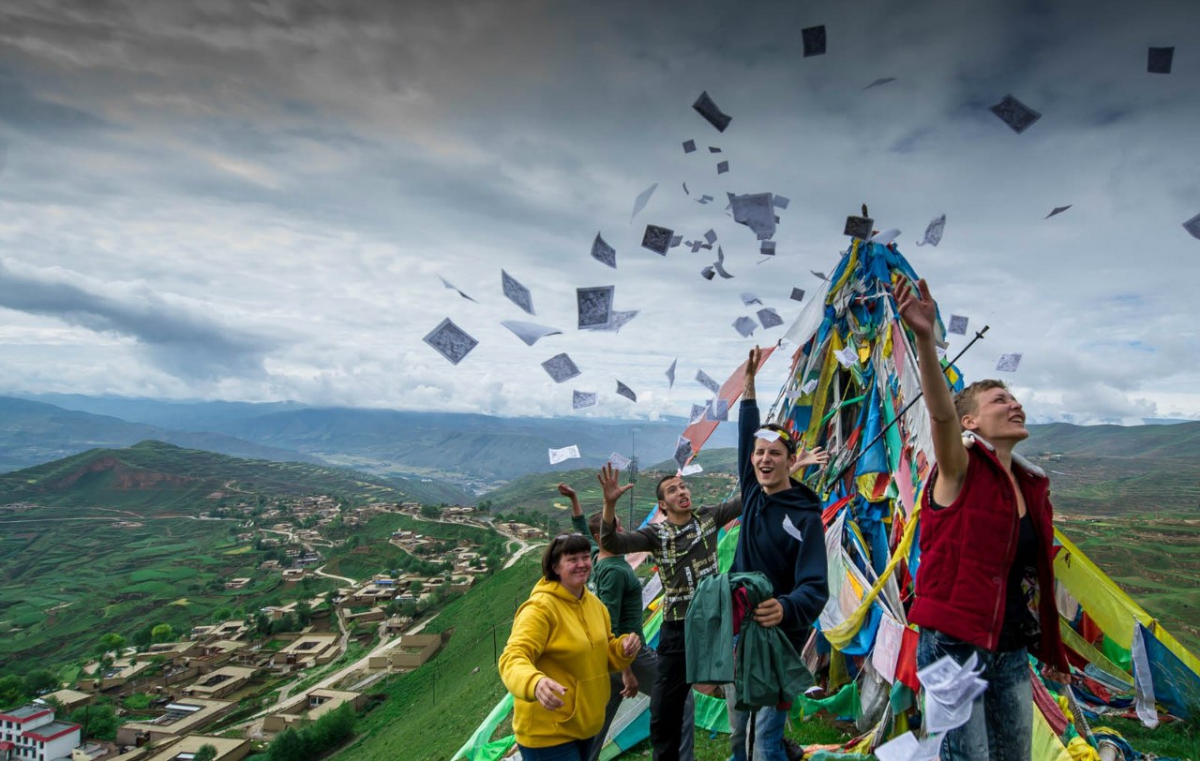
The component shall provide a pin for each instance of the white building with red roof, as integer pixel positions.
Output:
(32, 732)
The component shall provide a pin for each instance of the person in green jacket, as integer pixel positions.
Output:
(618, 587)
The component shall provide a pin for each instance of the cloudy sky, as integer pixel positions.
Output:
(255, 201)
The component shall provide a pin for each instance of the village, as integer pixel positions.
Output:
(223, 689)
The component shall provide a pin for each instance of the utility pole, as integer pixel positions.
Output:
(633, 474)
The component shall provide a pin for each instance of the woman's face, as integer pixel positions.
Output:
(574, 569)
(998, 415)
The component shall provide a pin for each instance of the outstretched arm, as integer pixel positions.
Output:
(748, 422)
(578, 522)
(619, 542)
(919, 312)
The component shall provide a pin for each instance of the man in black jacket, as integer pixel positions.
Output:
(782, 538)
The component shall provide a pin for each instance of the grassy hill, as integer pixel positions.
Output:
(161, 477)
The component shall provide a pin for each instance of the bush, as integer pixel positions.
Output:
(328, 732)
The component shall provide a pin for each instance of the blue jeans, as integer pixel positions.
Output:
(645, 668)
(1001, 723)
(576, 750)
(769, 724)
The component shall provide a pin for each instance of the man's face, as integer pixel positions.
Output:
(676, 499)
(771, 463)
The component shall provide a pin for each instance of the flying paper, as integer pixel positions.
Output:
(749, 298)
(690, 470)
(1057, 210)
(704, 380)
(451, 341)
(819, 275)
(814, 40)
(516, 293)
(618, 321)
(722, 167)
(859, 227)
(767, 248)
(950, 688)
(846, 356)
(713, 149)
(754, 210)
(1193, 226)
(683, 451)
(810, 386)
(697, 414)
(958, 325)
(745, 325)
(907, 747)
(1015, 114)
(885, 237)
(705, 106)
(619, 461)
(711, 236)
(676, 240)
(595, 306)
(581, 399)
(689, 146)
(933, 232)
(1008, 363)
(767, 435)
(446, 283)
(657, 239)
(719, 264)
(671, 373)
(566, 453)
(604, 253)
(780, 202)
(878, 82)
(704, 199)
(643, 198)
(708, 272)
(561, 368)
(717, 410)
(626, 392)
(1159, 61)
(530, 332)
(797, 294)
(769, 318)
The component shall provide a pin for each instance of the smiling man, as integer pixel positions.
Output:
(685, 548)
(782, 538)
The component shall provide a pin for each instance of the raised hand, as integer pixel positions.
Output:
(609, 479)
(917, 309)
(753, 362)
(567, 491)
(548, 693)
(814, 456)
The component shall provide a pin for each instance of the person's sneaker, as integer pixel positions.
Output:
(793, 750)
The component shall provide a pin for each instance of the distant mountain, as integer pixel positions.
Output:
(34, 432)
(153, 475)
(180, 416)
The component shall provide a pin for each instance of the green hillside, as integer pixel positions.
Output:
(163, 478)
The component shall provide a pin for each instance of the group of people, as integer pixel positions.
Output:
(577, 646)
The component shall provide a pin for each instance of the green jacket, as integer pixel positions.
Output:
(764, 667)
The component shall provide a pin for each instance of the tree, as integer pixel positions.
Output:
(98, 721)
(162, 633)
(206, 752)
(39, 681)
(111, 641)
(143, 637)
(12, 691)
(431, 511)
(304, 612)
(289, 746)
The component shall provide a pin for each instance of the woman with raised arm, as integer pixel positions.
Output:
(559, 656)
(985, 585)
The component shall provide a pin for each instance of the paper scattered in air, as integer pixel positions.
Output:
(780, 202)
(1018, 116)
(767, 435)
(683, 451)
(619, 461)
(722, 167)
(754, 210)
(446, 283)
(698, 411)
(810, 386)
(859, 227)
(581, 399)
(885, 237)
(676, 240)
(907, 747)
(604, 253)
(561, 368)
(814, 40)
(1193, 226)
(690, 470)
(708, 272)
(1056, 211)
(689, 146)
(566, 453)
(958, 325)
(657, 239)
(819, 275)
(767, 248)
(615, 323)
(797, 294)
(595, 306)
(769, 318)
(719, 264)
(1159, 60)
(950, 688)
(530, 332)
(704, 199)
(451, 341)
(626, 392)
(704, 380)
(933, 232)
(671, 373)
(643, 198)
(745, 326)
(717, 410)
(846, 356)
(713, 149)
(880, 81)
(1008, 363)
(705, 106)
(749, 298)
(516, 293)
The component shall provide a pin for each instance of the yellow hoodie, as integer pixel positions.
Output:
(570, 641)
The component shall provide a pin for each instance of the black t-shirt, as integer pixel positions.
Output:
(1021, 627)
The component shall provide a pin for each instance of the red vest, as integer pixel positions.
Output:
(968, 546)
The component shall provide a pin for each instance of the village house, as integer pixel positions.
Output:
(220, 683)
(31, 731)
(310, 707)
(179, 718)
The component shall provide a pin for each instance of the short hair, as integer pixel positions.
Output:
(594, 523)
(966, 401)
(788, 438)
(658, 490)
(563, 544)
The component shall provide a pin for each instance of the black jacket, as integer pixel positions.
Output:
(782, 538)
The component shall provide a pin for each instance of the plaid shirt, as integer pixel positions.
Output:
(685, 554)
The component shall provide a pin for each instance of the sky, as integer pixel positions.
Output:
(256, 200)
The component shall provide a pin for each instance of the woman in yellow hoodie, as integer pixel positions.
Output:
(558, 658)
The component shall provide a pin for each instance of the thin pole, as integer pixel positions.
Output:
(900, 414)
